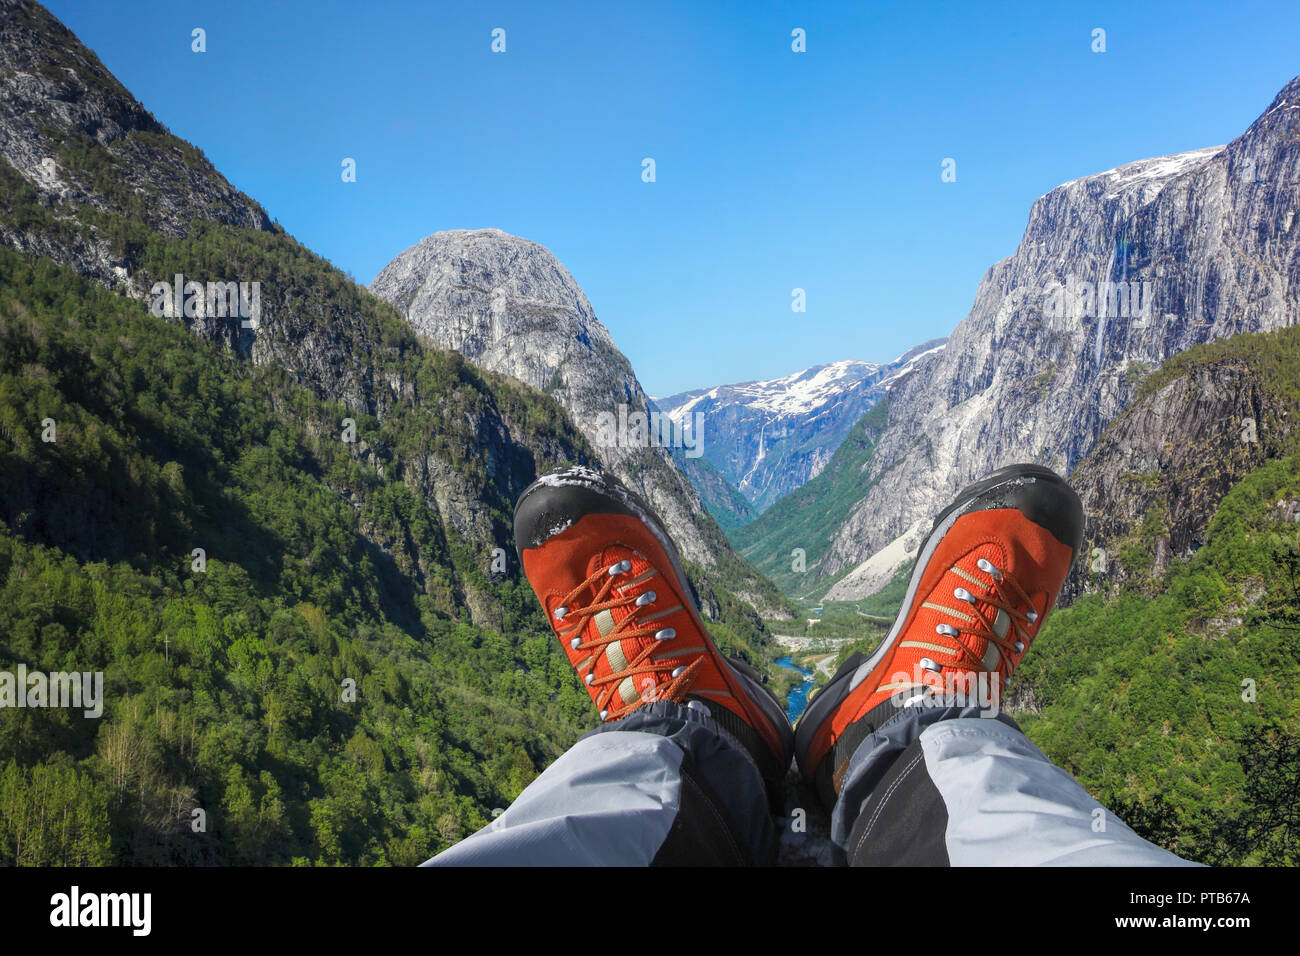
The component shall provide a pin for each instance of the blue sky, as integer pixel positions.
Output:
(775, 170)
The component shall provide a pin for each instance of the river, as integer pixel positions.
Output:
(798, 699)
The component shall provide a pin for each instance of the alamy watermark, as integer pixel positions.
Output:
(74, 908)
(628, 429)
(198, 300)
(1075, 298)
(925, 687)
(80, 691)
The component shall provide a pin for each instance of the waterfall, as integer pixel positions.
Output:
(1099, 301)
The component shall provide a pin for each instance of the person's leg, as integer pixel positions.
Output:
(914, 776)
(664, 786)
(677, 772)
(954, 786)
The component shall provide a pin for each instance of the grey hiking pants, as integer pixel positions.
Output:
(932, 786)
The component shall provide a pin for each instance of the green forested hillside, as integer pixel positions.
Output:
(1271, 356)
(1177, 706)
(324, 563)
(346, 676)
(225, 686)
(1170, 692)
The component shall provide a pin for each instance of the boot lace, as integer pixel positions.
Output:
(1002, 592)
(575, 617)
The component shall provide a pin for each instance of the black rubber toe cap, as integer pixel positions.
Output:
(1038, 493)
(555, 502)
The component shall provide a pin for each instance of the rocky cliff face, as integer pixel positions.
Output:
(508, 305)
(1154, 479)
(771, 437)
(1206, 245)
(1163, 467)
(74, 133)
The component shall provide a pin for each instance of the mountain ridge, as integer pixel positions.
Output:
(769, 437)
(507, 304)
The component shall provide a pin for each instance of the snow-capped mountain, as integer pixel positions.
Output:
(770, 437)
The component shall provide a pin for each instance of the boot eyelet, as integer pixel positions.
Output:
(667, 634)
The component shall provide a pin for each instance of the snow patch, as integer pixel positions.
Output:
(1153, 169)
(800, 394)
(916, 358)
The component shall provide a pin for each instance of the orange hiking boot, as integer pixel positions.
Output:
(985, 579)
(612, 586)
